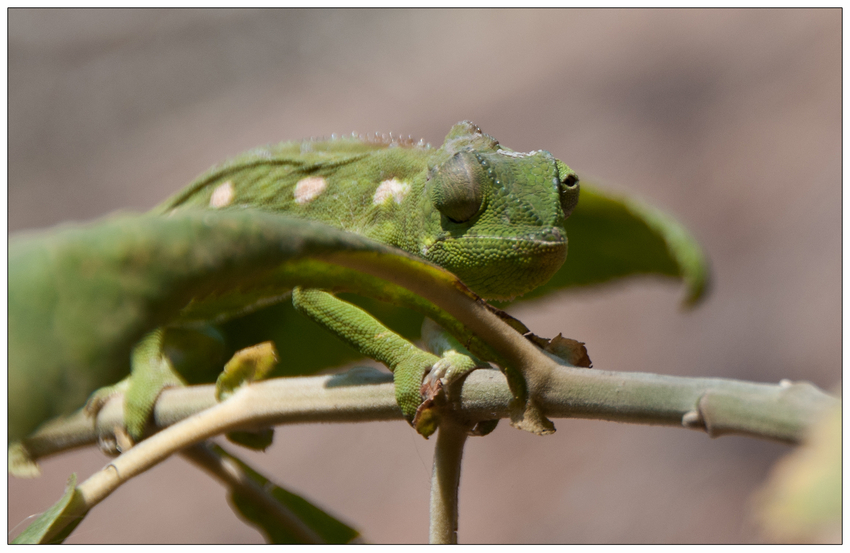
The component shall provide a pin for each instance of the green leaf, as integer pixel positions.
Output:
(247, 365)
(42, 530)
(612, 237)
(325, 527)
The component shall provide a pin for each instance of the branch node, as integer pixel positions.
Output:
(693, 420)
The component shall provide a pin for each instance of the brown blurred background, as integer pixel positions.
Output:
(729, 119)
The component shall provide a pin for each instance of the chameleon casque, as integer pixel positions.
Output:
(492, 216)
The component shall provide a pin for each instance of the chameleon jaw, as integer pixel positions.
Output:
(500, 267)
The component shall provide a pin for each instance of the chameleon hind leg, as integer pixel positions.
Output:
(408, 363)
(150, 373)
(161, 360)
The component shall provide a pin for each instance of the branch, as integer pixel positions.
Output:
(717, 406)
(445, 481)
(221, 418)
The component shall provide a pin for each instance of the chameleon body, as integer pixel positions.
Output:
(492, 216)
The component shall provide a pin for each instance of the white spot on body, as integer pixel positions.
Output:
(222, 196)
(307, 190)
(397, 190)
(510, 153)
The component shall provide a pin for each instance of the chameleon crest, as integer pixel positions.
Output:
(492, 216)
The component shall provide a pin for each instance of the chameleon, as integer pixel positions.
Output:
(492, 216)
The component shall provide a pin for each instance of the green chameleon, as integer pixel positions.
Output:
(492, 216)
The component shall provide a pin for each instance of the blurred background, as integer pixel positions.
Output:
(728, 119)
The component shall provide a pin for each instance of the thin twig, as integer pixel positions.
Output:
(445, 481)
(219, 419)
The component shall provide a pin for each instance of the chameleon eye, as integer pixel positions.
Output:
(567, 188)
(456, 187)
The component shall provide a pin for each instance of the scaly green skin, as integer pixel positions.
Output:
(492, 216)
(512, 243)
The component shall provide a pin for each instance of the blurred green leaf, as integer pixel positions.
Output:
(327, 528)
(45, 524)
(801, 500)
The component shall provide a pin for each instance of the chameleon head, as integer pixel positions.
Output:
(499, 215)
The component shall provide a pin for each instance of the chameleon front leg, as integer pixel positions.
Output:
(408, 363)
(456, 361)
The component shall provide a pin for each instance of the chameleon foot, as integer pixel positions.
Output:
(426, 419)
(99, 397)
(450, 369)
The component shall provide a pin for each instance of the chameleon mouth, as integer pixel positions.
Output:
(502, 267)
